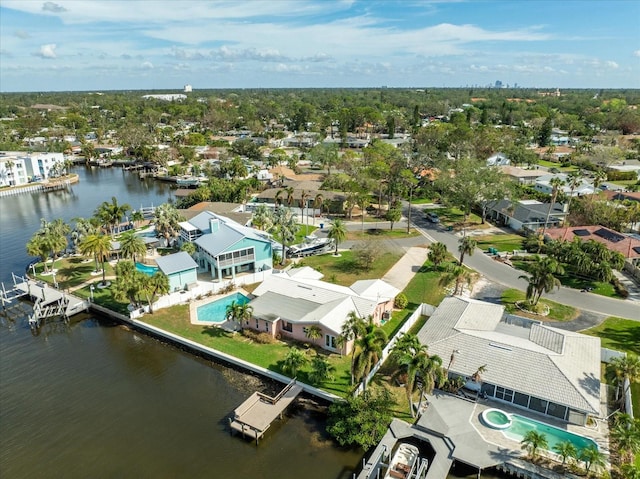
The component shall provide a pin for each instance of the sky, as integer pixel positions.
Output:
(95, 45)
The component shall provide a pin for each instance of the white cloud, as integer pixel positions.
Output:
(612, 64)
(636, 53)
(147, 65)
(47, 51)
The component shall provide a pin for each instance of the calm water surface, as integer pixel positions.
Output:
(93, 399)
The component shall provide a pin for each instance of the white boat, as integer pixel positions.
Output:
(402, 461)
(312, 245)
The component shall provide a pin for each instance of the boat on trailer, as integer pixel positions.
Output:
(403, 461)
(312, 245)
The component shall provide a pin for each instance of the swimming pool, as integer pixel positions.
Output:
(146, 269)
(215, 311)
(521, 425)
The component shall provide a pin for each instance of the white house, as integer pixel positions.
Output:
(543, 185)
(19, 167)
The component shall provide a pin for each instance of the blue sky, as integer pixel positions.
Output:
(149, 44)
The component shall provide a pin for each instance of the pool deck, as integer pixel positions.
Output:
(227, 325)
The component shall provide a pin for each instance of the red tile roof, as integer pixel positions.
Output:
(615, 241)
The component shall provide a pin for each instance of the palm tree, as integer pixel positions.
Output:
(313, 332)
(137, 217)
(467, 246)
(83, 227)
(432, 373)
(621, 370)
(337, 232)
(370, 346)
(128, 284)
(630, 471)
(37, 246)
(541, 278)
(154, 286)
(284, 226)
(477, 376)
(411, 357)
(132, 245)
(573, 180)
(238, 312)
(591, 456)
(460, 275)
(9, 164)
(321, 370)
(533, 441)
(188, 248)
(317, 203)
(262, 217)
(54, 234)
(627, 438)
(555, 183)
(437, 254)
(304, 200)
(598, 179)
(566, 450)
(293, 361)
(166, 219)
(98, 245)
(353, 327)
(111, 214)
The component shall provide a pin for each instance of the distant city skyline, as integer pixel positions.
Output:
(95, 45)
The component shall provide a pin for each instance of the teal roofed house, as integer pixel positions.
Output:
(180, 268)
(226, 248)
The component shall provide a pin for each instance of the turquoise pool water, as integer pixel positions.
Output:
(521, 425)
(143, 268)
(215, 311)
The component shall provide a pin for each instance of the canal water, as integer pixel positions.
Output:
(93, 399)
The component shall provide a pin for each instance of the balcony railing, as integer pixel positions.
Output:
(236, 261)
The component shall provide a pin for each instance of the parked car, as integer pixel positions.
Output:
(433, 218)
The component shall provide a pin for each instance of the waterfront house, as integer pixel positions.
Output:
(21, 167)
(289, 303)
(181, 270)
(226, 248)
(527, 363)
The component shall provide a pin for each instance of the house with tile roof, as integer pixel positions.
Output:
(527, 363)
(628, 246)
(180, 268)
(289, 303)
(226, 248)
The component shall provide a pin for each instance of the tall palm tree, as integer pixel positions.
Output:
(460, 275)
(573, 180)
(166, 218)
(111, 214)
(591, 456)
(555, 183)
(313, 332)
(541, 278)
(566, 450)
(364, 200)
(370, 346)
(98, 245)
(317, 204)
(132, 245)
(262, 217)
(353, 327)
(304, 200)
(437, 254)
(128, 284)
(37, 246)
(137, 217)
(9, 164)
(285, 227)
(155, 286)
(534, 441)
(55, 234)
(293, 361)
(627, 438)
(467, 245)
(623, 369)
(337, 232)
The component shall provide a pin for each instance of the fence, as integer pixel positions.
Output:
(423, 310)
(606, 355)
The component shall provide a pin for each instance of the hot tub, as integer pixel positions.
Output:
(496, 419)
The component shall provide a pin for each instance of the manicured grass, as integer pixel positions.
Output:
(270, 356)
(345, 271)
(375, 234)
(72, 272)
(455, 217)
(502, 242)
(621, 335)
(421, 201)
(558, 312)
(597, 287)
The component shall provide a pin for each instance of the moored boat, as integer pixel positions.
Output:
(402, 461)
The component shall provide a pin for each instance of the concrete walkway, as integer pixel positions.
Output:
(406, 268)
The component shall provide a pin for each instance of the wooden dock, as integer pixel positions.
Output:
(254, 416)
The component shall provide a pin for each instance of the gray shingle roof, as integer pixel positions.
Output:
(559, 366)
(176, 263)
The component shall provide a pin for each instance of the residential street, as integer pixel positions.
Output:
(495, 271)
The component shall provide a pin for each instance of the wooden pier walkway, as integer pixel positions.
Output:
(254, 416)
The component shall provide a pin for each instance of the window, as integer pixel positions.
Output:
(257, 323)
(504, 394)
(488, 389)
(330, 341)
(556, 410)
(521, 399)
(538, 404)
(287, 326)
(266, 326)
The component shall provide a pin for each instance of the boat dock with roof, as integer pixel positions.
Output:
(254, 416)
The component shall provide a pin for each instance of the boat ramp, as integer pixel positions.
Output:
(48, 302)
(254, 416)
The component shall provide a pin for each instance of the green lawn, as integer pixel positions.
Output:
(558, 312)
(72, 272)
(598, 287)
(621, 335)
(345, 271)
(455, 217)
(502, 242)
(269, 356)
(375, 234)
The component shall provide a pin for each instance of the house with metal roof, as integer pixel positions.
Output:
(527, 363)
(180, 268)
(527, 215)
(289, 303)
(226, 248)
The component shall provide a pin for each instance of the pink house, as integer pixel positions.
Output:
(289, 303)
